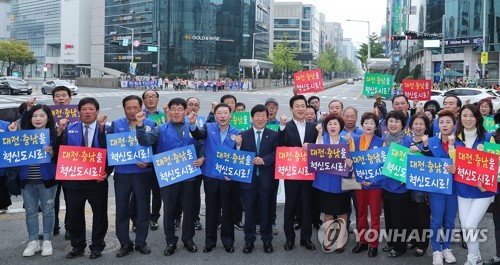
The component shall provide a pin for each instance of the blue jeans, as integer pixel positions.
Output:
(35, 195)
(444, 209)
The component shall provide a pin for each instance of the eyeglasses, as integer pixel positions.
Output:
(193, 105)
(177, 110)
(151, 97)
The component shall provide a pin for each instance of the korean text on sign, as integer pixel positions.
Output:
(123, 149)
(291, 164)
(175, 165)
(378, 83)
(473, 166)
(429, 174)
(69, 112)
(368, 164)
(493, 149)
(326, 158)
(241, 120)
(308, 81)
(417, 89)
(159, 118)
(395, 164)
(234, 164)
(80, 163)
(21, 148)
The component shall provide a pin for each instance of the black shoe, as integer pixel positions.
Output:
(191, 246)
(289, 245)
(268, 247)
(66, 235)
(247, 249)
(387, 248)
(410, 246)
(307, 244)
(74, 253)
(208, 249)
(197, 225)
(418, 252)
(394, 254)
(229, 249)
(95, 254)
(360, 248)
(169, 250)
(491, 261)
(143, 249)
(296, 226)
(239, 226)
(134, 228)
(153, 225)
(340, 250)
(372, 252)
(57, 231)
(124, 251)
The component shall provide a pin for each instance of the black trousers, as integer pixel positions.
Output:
(171, 195)
(217, 199)
(421, 219)
(496, 222)
(4, 194)
(258, 202)
(397, 217)
(57, 205)
(298, 192)
(315, 211)
(140, 185)
(197, 197)
(75, 207)
(155, 202)
(237, 202)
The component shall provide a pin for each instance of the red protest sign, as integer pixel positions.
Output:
(291, 164)
(473, 166)
(80, 163)
(308, 81)
(417, 89)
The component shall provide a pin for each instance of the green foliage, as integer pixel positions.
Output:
(15, 53)
(401, 74)
(416, 73)
(376, 50)
(283, 57)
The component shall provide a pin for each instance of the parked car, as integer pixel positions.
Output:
(350, 81)
(463, 94)
(14, 85)
(49, 85)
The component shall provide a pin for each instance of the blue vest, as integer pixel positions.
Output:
(4, 127)
(375, 143)
(357, 131)
(169, 138)
(467, 191)
(75, 135)
(213, 140)
(121, 125)
(328, 182)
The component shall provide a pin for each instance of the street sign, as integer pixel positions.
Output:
(48, 66)
(484, 58)
(125, 42)
(137, 43)
(152, 49)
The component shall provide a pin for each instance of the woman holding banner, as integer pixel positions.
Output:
(333, 200)
(396, 197)
(472, 201)
(370, 193)
(419, 207)
(444, 207)
(38, 185)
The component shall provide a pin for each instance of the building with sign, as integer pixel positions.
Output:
(58, 33)
(203, 37)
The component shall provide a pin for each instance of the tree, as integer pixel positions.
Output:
(376, 50)
(348, 66)
(326, 61)
(283, 57)
(14, 53)
(416, 73)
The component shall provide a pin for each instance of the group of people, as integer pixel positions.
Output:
(435, 135)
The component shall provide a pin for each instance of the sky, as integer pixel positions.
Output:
(340, 10)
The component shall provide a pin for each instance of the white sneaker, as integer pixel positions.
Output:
(449, 257)
(468, 262)
(46, 248)
(32, 248)
(437, 258)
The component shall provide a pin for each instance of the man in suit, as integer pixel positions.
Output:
(89, 132)
(297, 133)
(218, 190)
(166, 137)
(258, 196)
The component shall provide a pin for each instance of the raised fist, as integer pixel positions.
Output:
(13, 126)
(451, 140)
(102, 121)
(139, 117)
(283, 120)
(425, 139)
(319, 128)
(192, 118)
(30, 103)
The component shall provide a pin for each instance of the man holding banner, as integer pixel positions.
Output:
(297, 133)
(134, 178)
(217, 190)
(258, 196)
(166, 137)
(89, 132)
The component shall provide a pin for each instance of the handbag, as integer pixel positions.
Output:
(350, 184)
(12, 180)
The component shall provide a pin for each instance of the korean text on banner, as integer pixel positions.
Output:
(327, 158)
(234, 164)
(308, 81)
(378, 83)
(241, 120)
(80, 163)
(124, 149)
(473, 166)
(175, 165)
(417, 89)
(25, 147)
(69, 112)
(291, 164)
(395, 164)
(368, 164)
(429, 174)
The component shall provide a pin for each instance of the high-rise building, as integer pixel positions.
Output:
(334, 36)
(349, 50)
(4, 19)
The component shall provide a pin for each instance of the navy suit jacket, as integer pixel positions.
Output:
(290, 135)
(267, 152)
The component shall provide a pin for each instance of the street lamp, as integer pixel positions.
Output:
(253, 52)
(369, 48)
(132, 43)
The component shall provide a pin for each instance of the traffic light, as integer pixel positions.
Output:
(411, 34)
(398, 38)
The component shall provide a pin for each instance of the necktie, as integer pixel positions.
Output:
(258, 147)
(86, 136)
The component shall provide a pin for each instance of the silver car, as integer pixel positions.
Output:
(51, 84)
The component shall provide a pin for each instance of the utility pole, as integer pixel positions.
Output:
(158, 55)
(483, 73)
(441, 78)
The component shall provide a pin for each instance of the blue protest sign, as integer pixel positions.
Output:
(175, 165)
(123, 149)
(429, 174)
(368, 164)
(25, 147)
(234, 164)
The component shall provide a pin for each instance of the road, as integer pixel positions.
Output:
(13, 229)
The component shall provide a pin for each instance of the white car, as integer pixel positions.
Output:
(464, 94)
(51, 84)
(350, 81)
